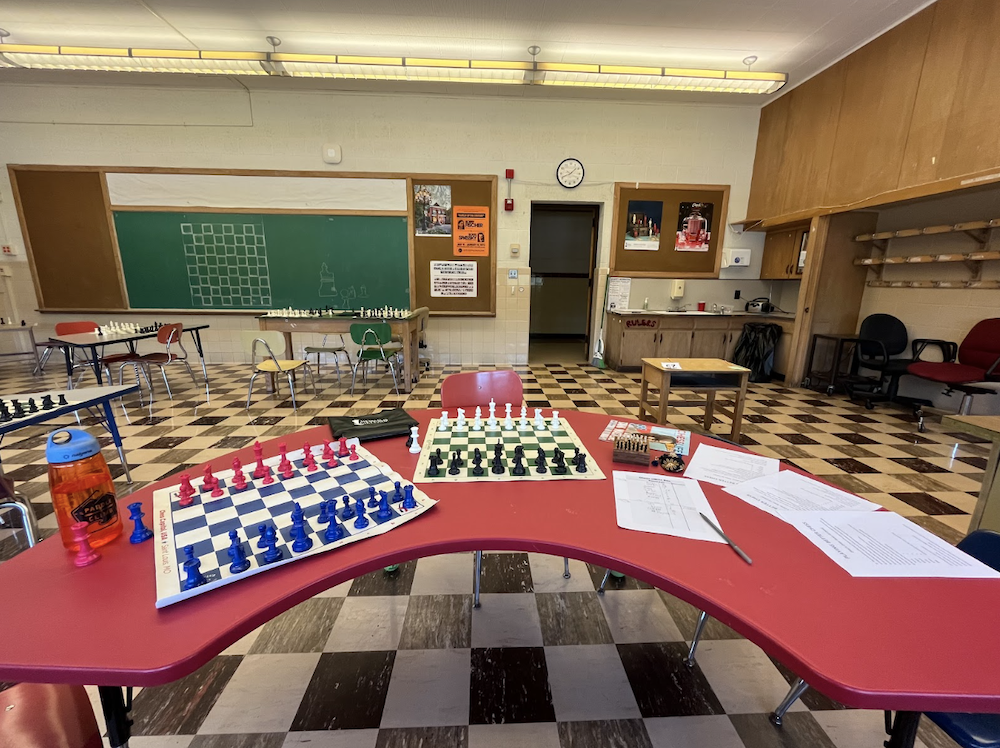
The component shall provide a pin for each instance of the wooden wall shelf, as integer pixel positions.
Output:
(974, 226)
(934, 284)
(918, 259)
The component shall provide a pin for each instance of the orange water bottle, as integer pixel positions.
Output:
(82, 488)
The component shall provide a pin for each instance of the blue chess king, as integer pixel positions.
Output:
(141, 533)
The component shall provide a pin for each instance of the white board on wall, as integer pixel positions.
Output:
(256, 192)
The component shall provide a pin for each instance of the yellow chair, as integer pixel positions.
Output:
(271, 365)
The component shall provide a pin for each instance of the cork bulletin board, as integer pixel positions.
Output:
(646, 241)
(434, 253)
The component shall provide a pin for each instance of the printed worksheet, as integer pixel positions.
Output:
(728, 467)
(787, 492)
(663, 504)
(886, 544)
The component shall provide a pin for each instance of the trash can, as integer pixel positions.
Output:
(755, 349)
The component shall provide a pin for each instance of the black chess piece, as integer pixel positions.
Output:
(32, 405)
(18, 409)
(518, 468)
(581, 463)
(497, 468)
(477, 461)
(453, 469)
(62, 400)
(559, 468)
(5, 415)
(433, 471)
(47, 403)
(575, 460)
(540, 462)
(498, 449)
(458, 458)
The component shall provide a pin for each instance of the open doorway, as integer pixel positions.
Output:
(563, 258)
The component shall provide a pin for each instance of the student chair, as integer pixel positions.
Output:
(34, 715)
(333, 348)
(881, 337)
(167, 335)
(265, 342)
(974, 730)
(372, 339)
(975, 363)
(424, 317)
(467, 390)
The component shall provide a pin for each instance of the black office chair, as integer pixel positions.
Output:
(881, 337)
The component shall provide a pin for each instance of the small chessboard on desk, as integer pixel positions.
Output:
(206, 523)
(529, 439)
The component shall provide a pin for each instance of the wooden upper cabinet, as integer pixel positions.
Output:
(767, 162)
(780, 260)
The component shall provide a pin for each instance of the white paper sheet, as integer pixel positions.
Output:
(885, 544)
(663, 504)
(787, 493)
(727, 467)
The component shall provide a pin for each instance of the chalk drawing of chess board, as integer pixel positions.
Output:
(207, 522)
(227, 264)
(448, 441)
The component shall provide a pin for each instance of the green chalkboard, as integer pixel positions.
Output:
(263, 261)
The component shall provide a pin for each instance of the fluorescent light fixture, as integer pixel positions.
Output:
(360, 67)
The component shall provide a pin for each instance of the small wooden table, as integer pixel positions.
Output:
(986, 515)
(708, 375)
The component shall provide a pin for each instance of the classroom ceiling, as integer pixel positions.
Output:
(799, 37)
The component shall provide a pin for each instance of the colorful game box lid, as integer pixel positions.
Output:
(616, 429)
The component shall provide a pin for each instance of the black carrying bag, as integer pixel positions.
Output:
(395, 422)
(755, 349)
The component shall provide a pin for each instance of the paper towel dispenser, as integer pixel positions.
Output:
(735, 258)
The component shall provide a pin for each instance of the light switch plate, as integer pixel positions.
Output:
(512, 274)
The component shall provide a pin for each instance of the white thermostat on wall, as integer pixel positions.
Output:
(735, 258)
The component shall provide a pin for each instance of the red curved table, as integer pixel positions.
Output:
(869, 643)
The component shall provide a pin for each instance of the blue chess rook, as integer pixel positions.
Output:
(192, 566)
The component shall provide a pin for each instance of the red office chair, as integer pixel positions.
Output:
(978, 357)
(467, 390)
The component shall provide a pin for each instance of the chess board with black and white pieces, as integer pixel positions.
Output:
(502, 449)
(127, 328)
(15, 409)
(222, 527)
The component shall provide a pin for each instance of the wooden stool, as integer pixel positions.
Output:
(708, 375)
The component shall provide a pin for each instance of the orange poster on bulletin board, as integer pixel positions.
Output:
(472, 231)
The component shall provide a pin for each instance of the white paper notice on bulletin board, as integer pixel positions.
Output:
(453, 279)
(619, 290)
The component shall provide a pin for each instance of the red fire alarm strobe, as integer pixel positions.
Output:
(508, 203)
(510, 173)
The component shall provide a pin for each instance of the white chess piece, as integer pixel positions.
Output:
(443, 426)
(524, 425)
(508, 422)
(415, 440)
(460, 420)
(556, 423)
(492, 422)
(477, 425)
(539, 421)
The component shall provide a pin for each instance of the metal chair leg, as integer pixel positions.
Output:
(28, 521)
(354, 377)
(392, 370)
(698, 629)
(566, 574)
(291, 388)
(604, 582)
(476, 582)
(798, 688)
(250, 390)
(163, 372)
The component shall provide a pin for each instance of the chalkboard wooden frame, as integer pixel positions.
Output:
(52, 305)
(666, 262)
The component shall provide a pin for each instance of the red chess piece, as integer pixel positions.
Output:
(239, 479)
(354, 452)
(258, 454)
(186, 491)
(268, 478)
(86, 555)
(327, 450)
(285, 465)
(308, 459)
(342, 447)
(208, 482)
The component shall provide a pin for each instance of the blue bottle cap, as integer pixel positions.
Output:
(70, 445)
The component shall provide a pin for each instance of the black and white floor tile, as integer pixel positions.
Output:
(402, 660)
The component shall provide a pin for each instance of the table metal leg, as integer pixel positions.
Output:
(67, 352)
(904, 730)
(798, 688)
(196, 334)
(109, 416)
(116, 710)
(479, 576)
(34, 351)
(97, 364)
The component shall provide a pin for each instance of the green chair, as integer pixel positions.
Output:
(372, 339)
(336, 350)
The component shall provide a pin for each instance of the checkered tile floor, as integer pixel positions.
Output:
(402, 660)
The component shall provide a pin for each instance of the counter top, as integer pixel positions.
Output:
(665, 313)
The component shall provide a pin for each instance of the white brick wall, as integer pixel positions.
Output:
(385, 132)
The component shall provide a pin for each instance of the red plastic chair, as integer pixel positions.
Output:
(469, 389)
(978, 359)
(167, 335)
(42, 716)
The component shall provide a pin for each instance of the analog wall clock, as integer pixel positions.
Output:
(570, 173)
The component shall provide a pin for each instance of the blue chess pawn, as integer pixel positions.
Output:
(262, 536)
(362, 521)
(141, 533)
(398, 496)
(348, 512)
(384, 512)
(273, 552)
(372, 498)
(192, 566)
(408, 501)
(236, 554)
(324, 513)
(335, 531)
